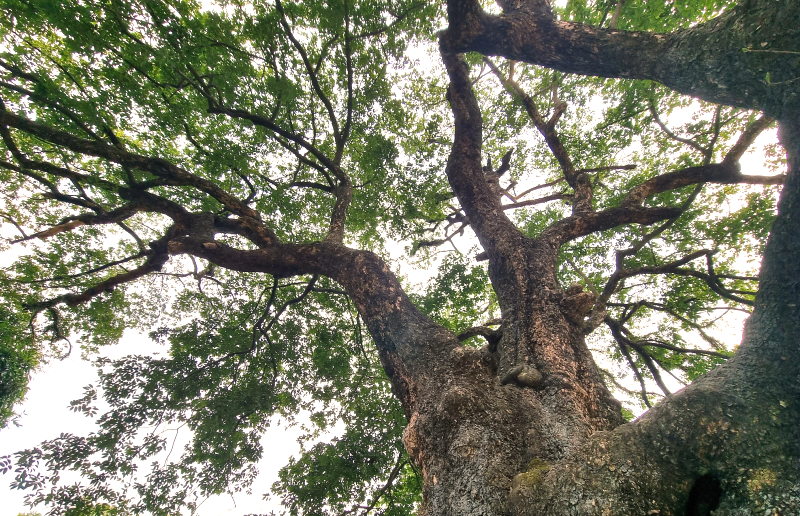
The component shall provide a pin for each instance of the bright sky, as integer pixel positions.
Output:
(46, 414)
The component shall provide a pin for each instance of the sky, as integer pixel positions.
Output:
(46, 414)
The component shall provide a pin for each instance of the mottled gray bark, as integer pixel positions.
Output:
(705, 61)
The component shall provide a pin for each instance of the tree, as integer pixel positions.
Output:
(256, 155)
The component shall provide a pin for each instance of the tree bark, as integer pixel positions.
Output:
(482, 416)
(527, 427)
(730, 440)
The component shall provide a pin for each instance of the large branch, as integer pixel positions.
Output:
(464, 171)
(405, 337)
(631, 210)
(344, 195)
(705, 61)
(723, 173)
(584, 224)
(156, 166)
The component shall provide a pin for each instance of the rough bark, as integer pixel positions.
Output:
(730, 441)
(731, 438)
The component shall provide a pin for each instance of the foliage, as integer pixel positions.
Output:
(18, 358)
(268, 102)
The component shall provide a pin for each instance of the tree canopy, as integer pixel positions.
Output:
(240, 179)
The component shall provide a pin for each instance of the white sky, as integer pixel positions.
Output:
(46, 414)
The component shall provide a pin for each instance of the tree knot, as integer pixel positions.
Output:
(524, 375)
(576, 303)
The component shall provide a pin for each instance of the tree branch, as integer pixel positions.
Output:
(404, 336)
(624, 343)
(464, 170)
(612, 23)
(747, 138)
(681, 60)
(687, 141)
(491, 336)
(631, 307)
(69, 223)
(94, 270)
(676, 349)
(348, 53)
(311, 74)
(344, 195)
(582, 200)
(156, 166)
(154, 262)
(53, 105)
(621, 273)
(576, 226)
(540, 200)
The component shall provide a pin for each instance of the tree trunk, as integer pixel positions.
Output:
(730, 441)
(484, 416)
(526, 425)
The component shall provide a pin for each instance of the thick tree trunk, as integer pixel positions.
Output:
(527, 426)
(732, 437)
(730, 441)
(493, 441)
(472, 432)
(482, 417)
